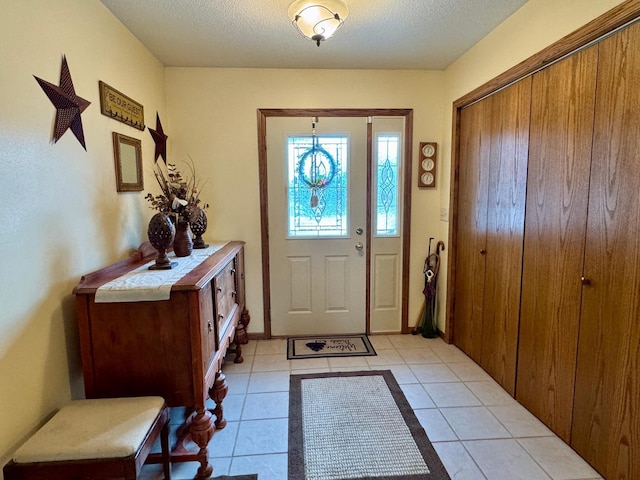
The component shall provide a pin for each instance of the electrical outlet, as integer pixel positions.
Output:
(444, 214)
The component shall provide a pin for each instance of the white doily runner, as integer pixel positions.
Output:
(144, 285)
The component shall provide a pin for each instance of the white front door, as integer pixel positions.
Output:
(317, 224)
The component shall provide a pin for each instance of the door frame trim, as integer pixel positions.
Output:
(407, 113)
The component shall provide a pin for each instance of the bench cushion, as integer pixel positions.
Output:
(92, 429)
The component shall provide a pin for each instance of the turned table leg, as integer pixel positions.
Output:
(240, 337)
(238, 351)
(217, 394)
(201, 431)
(245, 318)
(241, 329)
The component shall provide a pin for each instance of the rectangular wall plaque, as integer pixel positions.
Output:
(118, 106)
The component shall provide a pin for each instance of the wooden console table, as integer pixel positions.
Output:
(173, 348)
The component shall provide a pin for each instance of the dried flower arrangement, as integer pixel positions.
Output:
(180, 197)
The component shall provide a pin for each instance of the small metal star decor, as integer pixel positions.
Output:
(68, 105)
(161, 140)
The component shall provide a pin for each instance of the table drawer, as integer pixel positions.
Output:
(226, 296)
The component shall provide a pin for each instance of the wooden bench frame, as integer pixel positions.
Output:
(98, 469)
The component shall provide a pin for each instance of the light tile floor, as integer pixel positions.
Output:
(478, 430)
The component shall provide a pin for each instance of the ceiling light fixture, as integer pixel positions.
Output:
(318, 20)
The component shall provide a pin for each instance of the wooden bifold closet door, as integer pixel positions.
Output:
(606, 416)
(547, 299)
(473, 188)
(492, 187)
(556, 220)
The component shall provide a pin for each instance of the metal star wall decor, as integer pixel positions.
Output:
(68, 105)
(161, 140)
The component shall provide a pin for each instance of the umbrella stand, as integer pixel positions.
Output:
(429, 325)
(427, 322)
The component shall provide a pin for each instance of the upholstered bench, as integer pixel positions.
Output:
(94, 439)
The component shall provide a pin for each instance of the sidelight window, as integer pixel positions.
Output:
(387, 185)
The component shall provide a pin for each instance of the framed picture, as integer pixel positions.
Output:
(127, 152)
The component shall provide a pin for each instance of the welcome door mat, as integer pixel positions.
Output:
(358, 426)
(235, 477)
(331, 346)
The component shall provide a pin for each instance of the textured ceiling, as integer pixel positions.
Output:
(378, 34)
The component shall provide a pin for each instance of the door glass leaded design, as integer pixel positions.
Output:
(386, 207)
(326, 214)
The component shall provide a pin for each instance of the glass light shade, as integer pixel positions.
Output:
(318, 20)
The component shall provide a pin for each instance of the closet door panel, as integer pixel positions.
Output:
(509, 124)
(557, 199)
(606, 420)
(475, 141)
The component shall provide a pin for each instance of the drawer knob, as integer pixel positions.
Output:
(232, 271)
(585, 281)
(221, 317)
(209, 326)
(219, 289)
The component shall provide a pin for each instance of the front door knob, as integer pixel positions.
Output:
(359, 246)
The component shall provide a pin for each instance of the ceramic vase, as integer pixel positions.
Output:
(182, 243)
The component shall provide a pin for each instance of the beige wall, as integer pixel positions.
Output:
(61, 216)
(536, 25)
(213, 115)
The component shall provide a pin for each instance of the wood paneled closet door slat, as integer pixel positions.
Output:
(505, 231)
(606, 418)
(556, 218)
(473, 184)
(491, 200)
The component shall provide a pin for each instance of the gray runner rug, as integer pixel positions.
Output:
(357, 426)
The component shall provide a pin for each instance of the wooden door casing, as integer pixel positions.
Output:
(262, 116)
(606, 417)
(557, 199)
